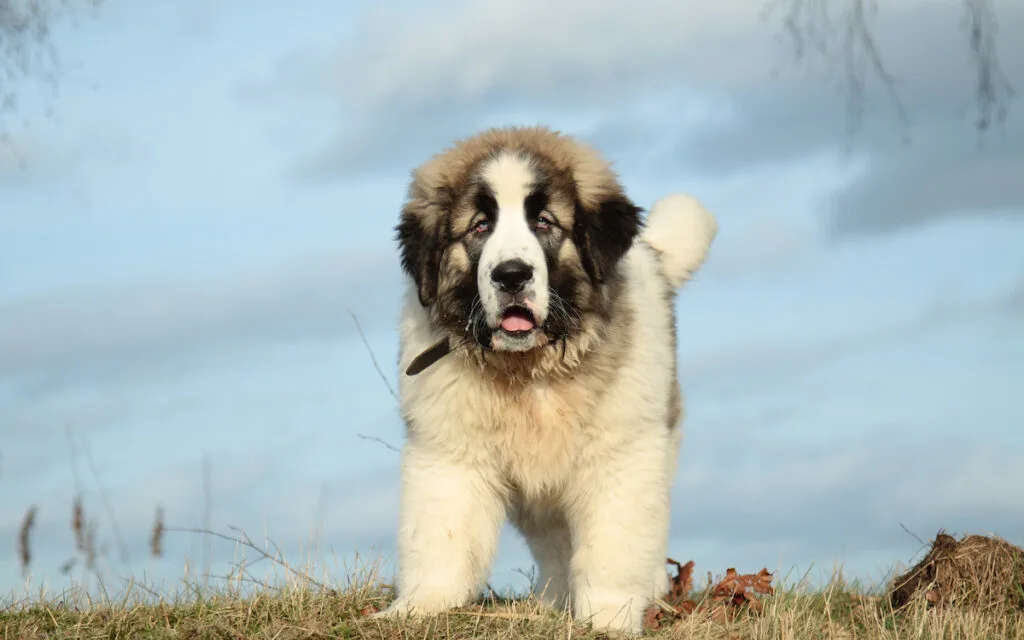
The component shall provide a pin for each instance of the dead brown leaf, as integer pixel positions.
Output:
(722, 602)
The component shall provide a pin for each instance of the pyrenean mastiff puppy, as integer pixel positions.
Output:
(539, 384)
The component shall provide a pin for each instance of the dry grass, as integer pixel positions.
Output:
(292, 603)
(979, 572)
(299, 606)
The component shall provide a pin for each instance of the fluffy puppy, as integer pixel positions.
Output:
(539, 349)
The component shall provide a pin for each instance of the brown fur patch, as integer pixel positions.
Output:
(569, 161)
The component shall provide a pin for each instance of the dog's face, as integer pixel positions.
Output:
(510, 235)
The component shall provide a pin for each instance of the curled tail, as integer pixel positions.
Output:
(681, 231)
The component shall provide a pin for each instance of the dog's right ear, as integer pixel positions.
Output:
(605, 234)
(419, 234)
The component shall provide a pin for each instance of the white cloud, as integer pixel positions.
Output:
(473, 51)
(410, 82)
(98, 330)
(430, 59)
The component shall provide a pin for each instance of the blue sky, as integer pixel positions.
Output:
(181, 244)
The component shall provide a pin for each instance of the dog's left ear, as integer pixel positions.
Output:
(419, 242)
(603, 235)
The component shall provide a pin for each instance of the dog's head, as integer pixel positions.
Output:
(511, 234)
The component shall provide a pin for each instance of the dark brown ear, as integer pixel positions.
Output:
(604, 235)
(420, 248)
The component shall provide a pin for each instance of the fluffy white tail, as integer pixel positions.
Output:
(682, 231)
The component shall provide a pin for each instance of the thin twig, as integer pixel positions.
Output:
(107, 506)
(384, 379)
(914, 535)
(380, 441)
(74, 460)
(247, 542)
(496, 614)
(373, 357)
(207, 518)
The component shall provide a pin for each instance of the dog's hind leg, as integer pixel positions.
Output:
(547, 535)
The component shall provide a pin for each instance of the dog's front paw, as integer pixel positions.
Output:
(398, 609)
(612, 613)
(417, 607)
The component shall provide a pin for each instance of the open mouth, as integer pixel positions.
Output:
(517, 321)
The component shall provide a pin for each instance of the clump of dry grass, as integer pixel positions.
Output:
(976, 572)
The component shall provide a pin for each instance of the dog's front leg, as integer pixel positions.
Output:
(620, 521)
(450, 519)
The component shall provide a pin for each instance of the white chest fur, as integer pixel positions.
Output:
(533, 435)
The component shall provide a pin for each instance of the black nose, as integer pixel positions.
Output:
(511, 275)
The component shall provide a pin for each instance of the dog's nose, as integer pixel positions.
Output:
(511, 275)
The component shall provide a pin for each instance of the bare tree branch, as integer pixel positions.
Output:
(27, 51)
(843, 32)
(993, 90)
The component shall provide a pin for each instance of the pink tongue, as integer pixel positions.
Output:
(516, 323)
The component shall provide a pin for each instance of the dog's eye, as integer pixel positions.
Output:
(544, 222)
(483, 226)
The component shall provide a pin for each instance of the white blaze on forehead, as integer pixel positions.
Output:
(510, 179)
